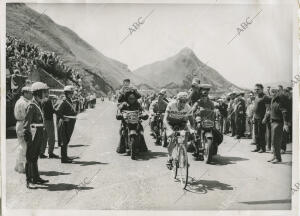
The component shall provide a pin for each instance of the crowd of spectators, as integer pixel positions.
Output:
(23, 58)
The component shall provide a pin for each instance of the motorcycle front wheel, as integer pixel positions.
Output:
(208, 150)
(132, 145)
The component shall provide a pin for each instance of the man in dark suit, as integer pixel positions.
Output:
(67, 119)
(48, 112)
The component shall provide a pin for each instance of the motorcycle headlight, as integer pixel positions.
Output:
(208, 123)
(180, 139)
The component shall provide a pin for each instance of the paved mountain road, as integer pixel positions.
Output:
(102, 179)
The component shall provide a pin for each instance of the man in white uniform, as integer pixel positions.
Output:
(20, 112)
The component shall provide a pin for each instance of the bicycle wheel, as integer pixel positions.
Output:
(183, 166)
(175, 163)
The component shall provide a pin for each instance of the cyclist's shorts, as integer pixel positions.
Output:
(178, 125)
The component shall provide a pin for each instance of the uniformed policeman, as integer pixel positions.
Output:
(67, 118)
(33, 134)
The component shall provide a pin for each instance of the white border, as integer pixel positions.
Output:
(296, 122)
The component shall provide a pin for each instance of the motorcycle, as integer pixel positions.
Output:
(131, 128)
(204, 138)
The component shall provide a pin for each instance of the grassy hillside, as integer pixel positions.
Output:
(101, 74)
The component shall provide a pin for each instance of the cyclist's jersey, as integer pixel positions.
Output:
(175, 116)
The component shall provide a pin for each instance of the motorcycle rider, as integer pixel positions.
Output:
(177, 114)
(194, 92)
(158, 105)
(132, 104)
(127, 88)
(204, 103)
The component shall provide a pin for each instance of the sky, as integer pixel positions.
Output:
(262, 52)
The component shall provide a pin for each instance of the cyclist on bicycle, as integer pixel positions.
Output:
(177, 115)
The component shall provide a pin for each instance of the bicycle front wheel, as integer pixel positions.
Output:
(183, 166)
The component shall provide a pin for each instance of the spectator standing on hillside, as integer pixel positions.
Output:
(20, 113)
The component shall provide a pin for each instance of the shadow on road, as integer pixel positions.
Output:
(88, 163)
(53, 173)
(78, 145)
(267, 202)
(203, 186)
(151, 155)
(224, 160)
(286, 163)
(62, 187)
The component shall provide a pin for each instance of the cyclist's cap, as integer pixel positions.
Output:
(182, 96)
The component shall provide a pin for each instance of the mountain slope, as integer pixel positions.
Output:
(182, 67)
(101, 73)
